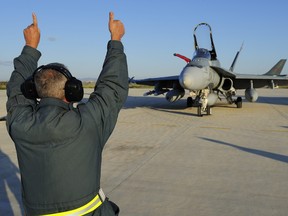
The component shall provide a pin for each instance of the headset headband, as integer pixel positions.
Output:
(57, 67)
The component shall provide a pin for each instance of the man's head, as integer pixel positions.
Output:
(53, 80)
(50, 83)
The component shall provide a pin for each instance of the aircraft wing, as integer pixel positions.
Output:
(242, 81)
(165, 82)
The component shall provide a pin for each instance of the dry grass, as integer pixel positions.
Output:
(3, 85)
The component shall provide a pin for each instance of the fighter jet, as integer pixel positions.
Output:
(206, 80)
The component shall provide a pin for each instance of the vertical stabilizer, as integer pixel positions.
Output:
(277, 68)
(235, 59)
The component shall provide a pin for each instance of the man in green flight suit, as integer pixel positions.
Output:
(59, 145)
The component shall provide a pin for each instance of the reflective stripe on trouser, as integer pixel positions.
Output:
(85, 209)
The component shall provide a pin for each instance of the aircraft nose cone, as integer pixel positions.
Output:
(186, 81)
(193, 78)
(186, 78)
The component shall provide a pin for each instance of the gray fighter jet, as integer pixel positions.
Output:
(206, 80)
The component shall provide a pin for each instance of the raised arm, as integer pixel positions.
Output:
(111, 89)
(116, 28)
(24, 65)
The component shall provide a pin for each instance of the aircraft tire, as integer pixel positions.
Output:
(199, 113)
(209, 110)
(189, 102)
(239, 102)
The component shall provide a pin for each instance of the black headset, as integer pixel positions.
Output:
(73, 87)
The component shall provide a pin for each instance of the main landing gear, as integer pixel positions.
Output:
(201, 108)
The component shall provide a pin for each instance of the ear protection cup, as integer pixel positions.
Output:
(73, 87)
(74, 90)
(28, 89)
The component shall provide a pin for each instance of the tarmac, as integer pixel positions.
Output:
(162, 159)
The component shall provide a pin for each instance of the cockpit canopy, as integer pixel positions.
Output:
(202, 53)
(203, 57)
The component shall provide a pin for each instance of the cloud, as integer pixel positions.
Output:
(5, 63)
(52, 39)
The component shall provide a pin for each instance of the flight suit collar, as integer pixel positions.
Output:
(55, 102)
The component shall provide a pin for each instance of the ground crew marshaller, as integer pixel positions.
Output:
(59, 145)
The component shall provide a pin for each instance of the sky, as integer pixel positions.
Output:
(76, 33)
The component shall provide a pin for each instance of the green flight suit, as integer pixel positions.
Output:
(58, 146)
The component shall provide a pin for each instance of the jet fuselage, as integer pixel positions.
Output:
(198, 74)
